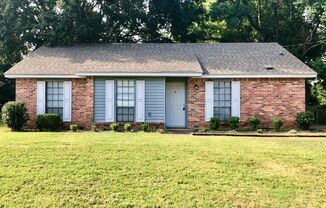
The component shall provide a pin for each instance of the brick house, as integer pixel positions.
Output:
(176, 85)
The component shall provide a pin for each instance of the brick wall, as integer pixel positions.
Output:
(266, 98)
(196, 102)
(82, 100)
(26, 92)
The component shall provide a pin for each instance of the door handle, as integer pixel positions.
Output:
(184, 107)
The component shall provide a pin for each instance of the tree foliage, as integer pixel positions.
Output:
(298, 25)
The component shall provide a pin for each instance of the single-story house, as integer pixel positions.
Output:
(172, 84)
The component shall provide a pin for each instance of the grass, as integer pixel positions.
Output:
(158, 170)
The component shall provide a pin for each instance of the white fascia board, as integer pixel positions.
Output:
(141, 74)
(40, 76)
(261, 76)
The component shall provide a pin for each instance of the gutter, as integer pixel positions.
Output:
(199, 75)
(261, 76)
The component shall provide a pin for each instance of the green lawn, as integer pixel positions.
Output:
(159, 170)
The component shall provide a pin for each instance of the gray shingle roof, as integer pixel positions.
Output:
(212, 59)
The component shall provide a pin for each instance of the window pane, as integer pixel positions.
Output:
(125, 90)
(222, 100)
(54, 97)
(125, 100)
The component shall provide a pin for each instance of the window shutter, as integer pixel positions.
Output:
(140, 101)
(109, 101)
(235, 108)
(40, 105)
(209, 100)
(67, 94)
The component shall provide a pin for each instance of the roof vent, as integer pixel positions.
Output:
(269, 67)
(281, 54)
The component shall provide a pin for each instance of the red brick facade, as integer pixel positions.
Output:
(82, 100)
(26, 92)
(268, 98)
(265, 98)
(196, 102)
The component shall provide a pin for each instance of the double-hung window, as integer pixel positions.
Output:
(222, 100)
(54, 97)
(125, 105)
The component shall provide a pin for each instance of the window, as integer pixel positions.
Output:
(222, 100)
(125, 100)
(54, 97)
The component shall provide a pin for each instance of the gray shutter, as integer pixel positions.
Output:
(209, 100)
(67, 94)
(140, 101)
(109, 101)
(235, 108)
(40, 96)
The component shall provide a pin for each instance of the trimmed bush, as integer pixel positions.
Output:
(114, 126)
(260, 131)
(127, 126)
(277, 124)
(304, 120)
(73, 127)
(94, 127)
(214, 123)
(234, 122)
(203, 129)
(254, 122)
(48, 122)
(14, 115)
(144, 127)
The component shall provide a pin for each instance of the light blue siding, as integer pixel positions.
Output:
(154, 99)
(99, 100)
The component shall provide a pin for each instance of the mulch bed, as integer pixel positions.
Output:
(239, 134)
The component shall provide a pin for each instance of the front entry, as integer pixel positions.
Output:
(175, 105)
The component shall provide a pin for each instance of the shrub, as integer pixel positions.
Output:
(292, 131)
(127, 126)
(203, 129)
(304, 120)
(49, 122)
(94, 127)
(277, 124)
(161, 131)
(214, 123)
(259, 131)
(73, 127)
(114, 126)
(234, 122)
(254, 122)
(144, 127)
(14, 115)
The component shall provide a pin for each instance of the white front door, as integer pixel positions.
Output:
(175, 105)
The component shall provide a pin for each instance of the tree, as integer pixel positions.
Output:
(294, 24)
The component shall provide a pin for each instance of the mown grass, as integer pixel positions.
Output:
(147, 169)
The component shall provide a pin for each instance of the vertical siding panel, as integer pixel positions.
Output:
(99, 100)
(155, 100)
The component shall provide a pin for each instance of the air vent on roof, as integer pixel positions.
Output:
(281, 54)
(269, 67)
